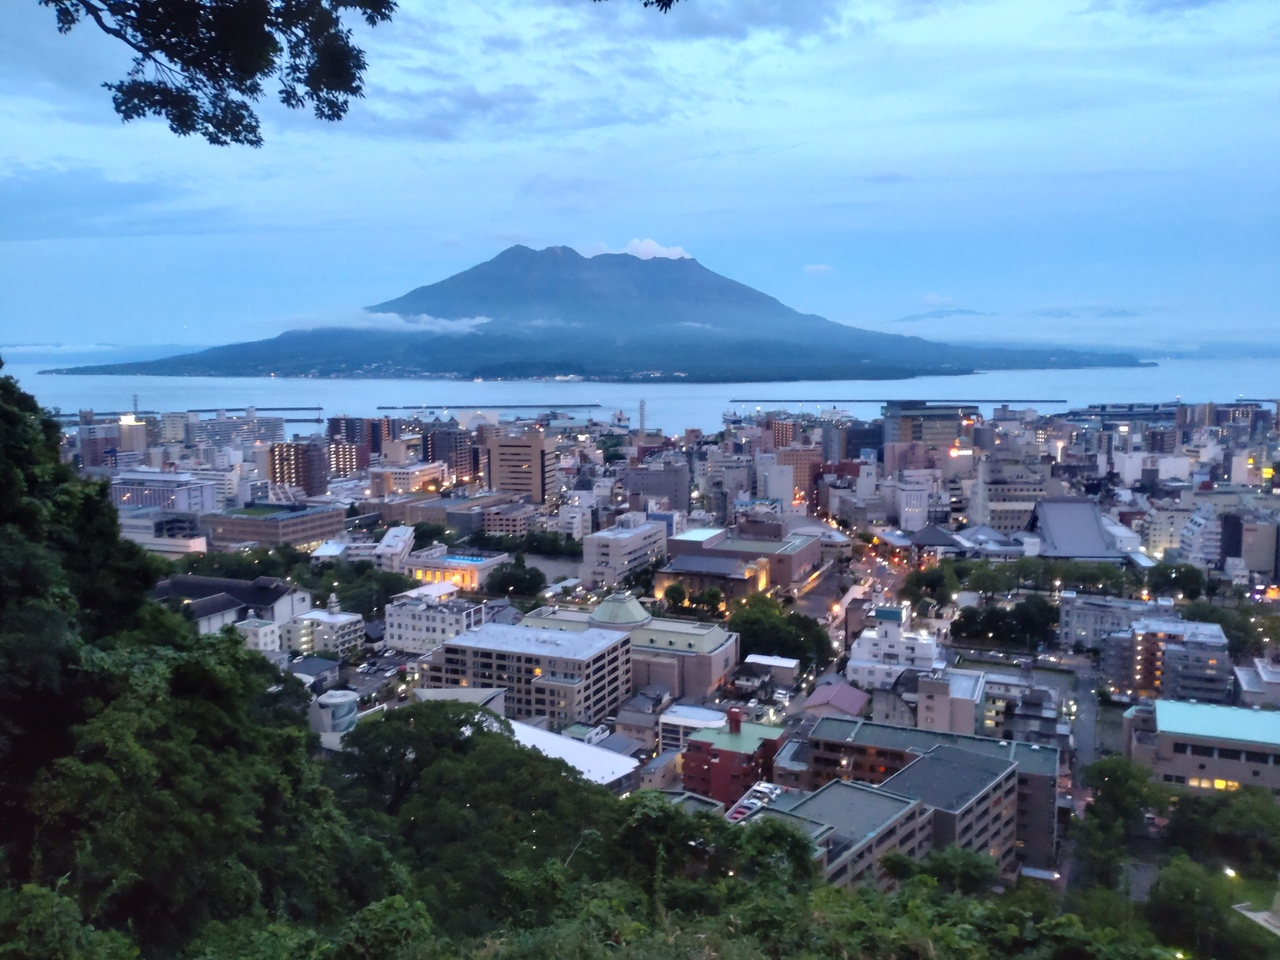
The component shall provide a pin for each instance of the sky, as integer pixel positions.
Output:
(1083, 172)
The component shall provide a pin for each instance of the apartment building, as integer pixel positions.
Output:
(837, 749)
(330, 630)
(889, 645)
(1171, 659)
(1205, 747)
(1087, 619)
(722, 763)
(630, 545)
(853, 826)
(974, 799)
(566, 677)
(303, 465)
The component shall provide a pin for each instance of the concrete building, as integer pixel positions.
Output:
(735, 578)
(935, 425)
(523, 465)
(233, 431)
(509, 520)
(1088, 619)
(173, 492)
(172, 535)
(1162, 528)
(270, 526)
(384, 481)
(566, 677)
(1205, 747)
(467, 571)
(792, 557)
(1200, 542)
(680, 721)
(853, 826)
(330, 630)
(835, 749)
(662, 478)
(418, 623)
(973, 798)
(1171, 659)
(686, 658)
(1259, 684)
(887, 646)
(302, 465)
(630, 545)
(1005, 494)
(260, 635)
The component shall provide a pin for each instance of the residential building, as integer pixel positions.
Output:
(173, 492)
(853, 826)
(345, 459)
(1171, 659)
(1088, 619)
(1162, 528)
(1200, 542)
(1259, 684)
(631, 544)
(330, 630)
(837, 749)
(1205, 747)
(566, 677)
(723, 763)
(887, 646)
(269, 525)
(524, 464)
(680, 721)
(974, 799)
(302, 465)
(224, 431)
(417, 623)
(385, 481)
(1005, 494)
(260, 635)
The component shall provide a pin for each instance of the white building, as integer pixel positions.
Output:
(406, 478)
(176, 492)
(260, 635)
(888, 646)
(1201, 541)
(418, 624)
(435, 564)
(571, 521)
(392, 552)
(632, 544)
(329, 630)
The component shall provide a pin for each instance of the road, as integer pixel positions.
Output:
(1085, 726)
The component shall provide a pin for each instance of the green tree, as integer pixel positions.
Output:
(1166, 579)
(674, 596)
(765, 627)
(515, 578)
(1188, 906)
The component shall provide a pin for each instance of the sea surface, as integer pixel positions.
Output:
(669, 406)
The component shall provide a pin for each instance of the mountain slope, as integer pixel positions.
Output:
(549, 312)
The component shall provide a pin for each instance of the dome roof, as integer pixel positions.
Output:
(619, 610)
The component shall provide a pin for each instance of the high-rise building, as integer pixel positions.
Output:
(453, 447)
(344, 458)
(525, 465)
(937, 425)
(304, 465)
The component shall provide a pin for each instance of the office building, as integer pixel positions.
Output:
(172, 492)
(524, 464)
(509, 520)
(565, 677)
(162, 532)
(418, 621)
(384, 481)
(665, 478)
(935, 425)
(301, 465)
(631, 544)
(269, 525)
(685, 658)
(1205, 747)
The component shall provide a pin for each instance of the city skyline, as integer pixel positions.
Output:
(966, 172)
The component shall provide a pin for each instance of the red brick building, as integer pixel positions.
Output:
(724, 763)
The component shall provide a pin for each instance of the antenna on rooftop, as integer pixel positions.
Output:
(135, 404)
(642, 425)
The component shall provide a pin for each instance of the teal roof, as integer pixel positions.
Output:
(752, 735)
(1211, 721)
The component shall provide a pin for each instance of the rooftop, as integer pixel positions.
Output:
(695, 563)
(1213, 722)
(593, 763)
(699, 534)
(746, 741)
(856, 811)
(1071, 527)
(578, 645)
(1187, 629)
(949, 778)
(1030, 757)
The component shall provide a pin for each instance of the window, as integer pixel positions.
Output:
(1254, 757)
(1197, 750)
(1224, 754)
(1179, 748)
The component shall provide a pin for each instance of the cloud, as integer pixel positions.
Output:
(818, 269)
(368, 320)
(644, 249)
(941, 315)
(937, 300)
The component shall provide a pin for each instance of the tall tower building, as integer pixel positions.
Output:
(302, 464)
(525, 464)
